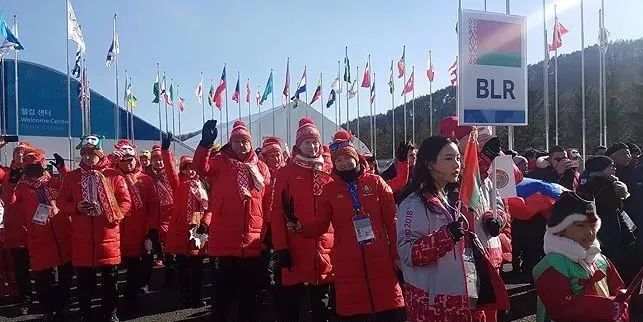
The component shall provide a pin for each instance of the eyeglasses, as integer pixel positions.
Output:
(338, 145)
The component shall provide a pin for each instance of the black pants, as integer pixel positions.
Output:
(169, 263)
(21, 266)
(108, 288)
(190, 278)
(527, 242)
(237, 279)
(291, 301)
(395, 315)
(139, 272)
(53, 287)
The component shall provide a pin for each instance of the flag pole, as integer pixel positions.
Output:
(167, 120)
(392, 110)
(338, 110)
(15, 73)
(158, 77)
(582, 62)
(4, 92)
(600, 78)
(348, 122)
(510, 130)
(431, 95)
(259, 113)
(179, 112)
(132, 114)
(321, 93)
(172, 105)
(306, 106)
(604, 73)
(413, 106)
(71, 151)
(272, 98)
(555, 82)
(126, 104)
(82, 101)
(404, 73)
(287, 101)
(117, 118)
(373, 125)
(546, 78)
(357, 94)
(202, 100)
(227, 114)
(248, 99)
(239, 100)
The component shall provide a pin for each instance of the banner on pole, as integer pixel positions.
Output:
(492, 86)
(504, 172)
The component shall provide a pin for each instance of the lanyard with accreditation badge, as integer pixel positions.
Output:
(361, 221)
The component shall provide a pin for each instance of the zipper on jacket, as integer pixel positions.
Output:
(368, 285)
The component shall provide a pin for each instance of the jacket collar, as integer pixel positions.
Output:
(571, 249)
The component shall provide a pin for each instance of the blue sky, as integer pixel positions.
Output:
(193, 36)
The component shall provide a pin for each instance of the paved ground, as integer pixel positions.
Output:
(163, 304)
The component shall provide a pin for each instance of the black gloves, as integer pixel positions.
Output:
(58, 162)
(402, 151)
(491, 149)
(15, 175)
(455, 229)
(284, 259)
(166, 141)
(202, 229)
(208, 134)
(492, 226)
(289, 206)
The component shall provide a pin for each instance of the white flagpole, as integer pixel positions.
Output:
(582, 62)
(287, 106)
(272, 98)
(71, 151)
(604, 75)
(373, 122)
(227, 114)
(546, 78)
(259, 113)
(249, 99)
(600, 79)
(15, 73)
(404, 73)
(117, 118)
(132, 113)
(413, 105)
(372, 117)
(348, 120)
(83, 105)
(158, 77)
(322, 105)
(172, 107)
(167, 120)
(431, 94)
(179, 110)
(202, 99)
(392, 111)
(510, 130)
(357, 94)
(338, 110)
(4, 92)
(239, 100)
(306, 105)
(126, 104)
(557, 135)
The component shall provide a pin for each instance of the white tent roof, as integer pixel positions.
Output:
(261, 125)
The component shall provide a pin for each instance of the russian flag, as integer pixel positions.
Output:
(534, 197)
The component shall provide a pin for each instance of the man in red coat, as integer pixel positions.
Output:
(48, 230)
(160, 221)
(305, 262)
(134, 228)
(97, 198)
(238, 220)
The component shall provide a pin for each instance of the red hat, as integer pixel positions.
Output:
(184, 162)
(306, 131)
(271, 144)
(156, 151)
(125, 147)
(343, 145)
(33, 156)
(449, 128)
(92, 149)
(240, 131)
(21, 146)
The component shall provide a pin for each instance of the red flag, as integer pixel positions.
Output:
(453, 72)
(366, 81)
(400, 64)
(410, 84)
(557, 37)
(218, 94)
(430, 73)
(470, 184)
(248, 92)
(181, 104)
(237, 93)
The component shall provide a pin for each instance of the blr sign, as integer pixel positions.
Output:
(492, 66)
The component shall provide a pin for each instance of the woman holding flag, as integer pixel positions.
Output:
(447, 275)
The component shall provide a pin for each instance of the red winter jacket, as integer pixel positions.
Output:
(95, 240)
(402, 177)
(161, 219)
(136, 222)
(365, 278)
(14, 226)
(237, 223)
(185, 205)
(49, 244)
(311, 261)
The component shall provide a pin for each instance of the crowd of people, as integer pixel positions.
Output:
(322, 227)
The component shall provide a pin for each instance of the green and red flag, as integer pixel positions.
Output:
(471, 182)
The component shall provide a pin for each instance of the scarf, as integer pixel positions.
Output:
(197, 199)
(247, 171)
(46, 194)
(162, 187)
(131, 179)
(97, 188)
(320, 176)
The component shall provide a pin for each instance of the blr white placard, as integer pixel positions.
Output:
(492, 67)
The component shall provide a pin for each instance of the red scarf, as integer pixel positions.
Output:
(162, 187)
(41, 187)
(197, 199)
(320, 170)
(131, 179)
(248, 175)
(97, 188)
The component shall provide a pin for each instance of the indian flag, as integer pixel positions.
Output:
(470, 183)
(495, 43)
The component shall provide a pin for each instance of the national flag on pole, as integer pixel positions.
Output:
(373, 92)
(129, 95)
(258, 97)
(218, 94)
(211, 94)
(169, 96)
(347, 69)
(76, 71)
(181, 104)
(82, 89)
(198, 91)
(267, 91)
(391, 81)
(337, 85)
(285, 94)
(236, 96)
(410, 84)
(318, 91)
(353, 90)
(301, 87)
(156, 90)
(8, 40)
(453, 72)
(603, 38)
(114, 48)
(366, 80)
(74, 31)
(430, 72)
(470, 183)
(557, 36)
(401, 64)
(332, 96)
(248, 91)
(503, 166)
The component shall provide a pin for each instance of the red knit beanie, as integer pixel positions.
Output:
(449, 128)
(271, 144)
(306, 131)
(240, 131)
(33, 156)
(185, 162)
(156, 151)
(343, 145)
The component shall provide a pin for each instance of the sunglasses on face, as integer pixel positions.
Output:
(338, 145)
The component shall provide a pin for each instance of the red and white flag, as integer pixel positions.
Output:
(218, 93)
(199, 91)
(181, 104)
(410, 84)
(453, 72)
(401, 63)
(430, 72)
(248, 92)
(557, 37)
(366, 81)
